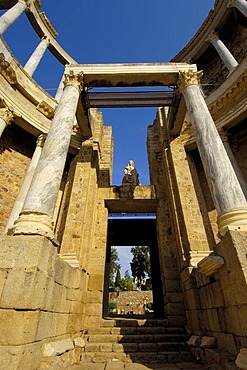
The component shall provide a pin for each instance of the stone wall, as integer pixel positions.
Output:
(42, 302)
(132, 301)
(16, 150)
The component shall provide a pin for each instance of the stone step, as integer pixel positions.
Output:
(136, 347)
(134, 322)
(135, 338)
(141, 357)
(135, 330)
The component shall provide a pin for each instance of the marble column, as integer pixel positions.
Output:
(20, 199)
(59, 90)
(12, 15)
(37, 211)
(36, 57)
(241, 5)
(6, 117)
(238, 172)
(226, 56)
(228, 197)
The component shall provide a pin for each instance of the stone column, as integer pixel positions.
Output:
(6, 117)
(241, 5)
(12, 15)
(36, 57)
(37, 212)
(20, 199)
(238, 172)
(59, 90)
(226, 56)
(228, 197)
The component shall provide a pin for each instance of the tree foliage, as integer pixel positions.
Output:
(114, 266)
(140, 264)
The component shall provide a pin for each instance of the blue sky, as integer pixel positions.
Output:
(113, 31)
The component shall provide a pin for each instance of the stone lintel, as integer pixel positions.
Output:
(143, 74)
(197, 256)
(71, 259)
(210, 265)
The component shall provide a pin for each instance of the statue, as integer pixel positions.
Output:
(131, 176)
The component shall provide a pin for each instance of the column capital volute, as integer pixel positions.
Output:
(212, 36)
(41, 140)
(188, 78)
(7, 115)
(231, 3)
(72, 79)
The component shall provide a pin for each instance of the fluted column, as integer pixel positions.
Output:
(228, 197)
(20, 199)
(238, 172)
(9, 17)
(224, 53)
(241, 5)
(6, 117)
(36, 57)
(37, 212)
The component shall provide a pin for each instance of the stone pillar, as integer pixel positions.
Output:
(228, 197)
(36, 57)
(226, 56)
(238, 172)
(6, 117)
(59, 90)
(37, 212)
(20, 199)
(241, 5)
(12, 15)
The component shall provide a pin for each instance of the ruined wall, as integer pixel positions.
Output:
(42, 302)
(16, 150)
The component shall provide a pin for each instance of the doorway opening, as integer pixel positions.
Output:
(136, 291)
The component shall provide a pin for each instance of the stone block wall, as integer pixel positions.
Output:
(16, 149)
(42, 300)
(131, 301)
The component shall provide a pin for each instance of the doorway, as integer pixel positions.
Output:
(135, 230)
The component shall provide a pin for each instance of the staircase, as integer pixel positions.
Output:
(130, 340)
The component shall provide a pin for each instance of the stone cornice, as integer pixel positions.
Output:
(7, 71)
(48, 24)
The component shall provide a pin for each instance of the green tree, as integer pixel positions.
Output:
(118, 279)
(140, 264)
(114, 266)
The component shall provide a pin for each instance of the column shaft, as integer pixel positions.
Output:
(226, 56)
(20, 199)
(241, 5)
(3, 125)
(37, 212)
(9, 17)
(59, 90)
(226, 191)
(36, 57)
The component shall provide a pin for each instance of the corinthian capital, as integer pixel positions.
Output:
(74, 79)
(7, 115)
(212, 35)
(188, 78)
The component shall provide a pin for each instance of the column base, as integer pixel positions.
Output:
(236, 220)
(33, 224)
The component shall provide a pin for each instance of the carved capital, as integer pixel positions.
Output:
(7, 115)
(212, 35)
(231, 4)
(7, 71)
(73, 79)
(188, 78)
(41, 140)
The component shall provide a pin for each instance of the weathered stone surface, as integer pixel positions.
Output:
(241, 360)
(79, 342)
(58, 347)
(208, 342)
(115, 365)
(194, 341)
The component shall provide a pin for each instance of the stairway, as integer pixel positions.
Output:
(131, 340)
